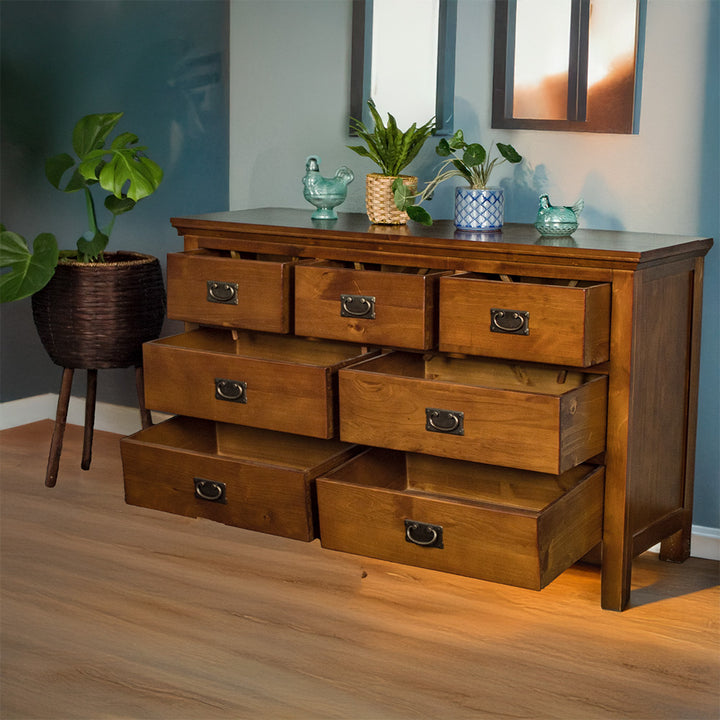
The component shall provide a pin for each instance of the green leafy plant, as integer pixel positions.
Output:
(118, 166)
(390, 148)
(475, 165)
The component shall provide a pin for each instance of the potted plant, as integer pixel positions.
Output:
(477, 207)
(392, 150)
(80, 297)
(93, 309)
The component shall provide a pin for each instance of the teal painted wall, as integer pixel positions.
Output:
(164, 64)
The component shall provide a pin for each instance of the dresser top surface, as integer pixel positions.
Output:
(297, 227)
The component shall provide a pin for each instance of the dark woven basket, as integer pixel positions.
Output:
(98, 315)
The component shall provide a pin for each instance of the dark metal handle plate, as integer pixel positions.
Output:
(210, 490)
(358, 306)
(449, 422)
(225, 293)
(423, 534)
(510, 322)
(230, 390)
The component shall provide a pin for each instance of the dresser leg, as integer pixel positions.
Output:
(616, 578)
(676, 548)
(59, 429)
(90, 398)
(145, 416)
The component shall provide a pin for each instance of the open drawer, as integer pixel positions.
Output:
(262, 380)
(534, 319)
(249, 478)
(491, 523)
(213, 287)
(533, 417)
(373, 305)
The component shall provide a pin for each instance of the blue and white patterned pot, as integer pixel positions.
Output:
(479, 209)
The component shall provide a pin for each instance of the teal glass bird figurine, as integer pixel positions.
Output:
(557, 220)
(322, 192)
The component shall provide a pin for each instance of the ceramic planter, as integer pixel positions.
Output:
(479, 209)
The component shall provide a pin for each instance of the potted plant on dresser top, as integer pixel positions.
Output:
(392, 150)
(93, 309)
(477, 207)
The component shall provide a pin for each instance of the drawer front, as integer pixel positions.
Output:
(533, 321)
(228, 474)
(186, 378)
(395, 309)
(383, 404)
(367, 507)
(268, 499)
(208, 289)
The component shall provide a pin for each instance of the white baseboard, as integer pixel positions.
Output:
(110, 418)
(126, 421)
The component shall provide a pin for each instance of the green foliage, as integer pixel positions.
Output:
(391, 149)
(120, 169)
(28, 272)
(474, 165)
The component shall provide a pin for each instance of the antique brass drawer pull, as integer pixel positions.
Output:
(225, 293)
(210, 490)
(423, 534)
(360, 306)
(449, 422)
(230, 390)
(512, 322)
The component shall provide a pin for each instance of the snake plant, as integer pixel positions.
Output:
(390, 148)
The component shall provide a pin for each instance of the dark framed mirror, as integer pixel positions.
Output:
(403, 56)
(573, 65)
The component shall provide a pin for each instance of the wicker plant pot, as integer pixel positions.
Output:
(98, 315)
(379, 200)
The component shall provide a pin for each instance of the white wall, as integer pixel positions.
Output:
(289, 86)
(289, 80)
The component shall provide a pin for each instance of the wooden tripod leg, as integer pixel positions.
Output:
(90, 398)
(59, 429)
(145, 416)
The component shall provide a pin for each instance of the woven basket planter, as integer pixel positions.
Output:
(379, 199)
(98, 315)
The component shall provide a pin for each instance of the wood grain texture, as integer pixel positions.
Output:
(566, 325)
(267, 229)
(263, 291)
(526, 540)
(290, 381)
(404, 305)
(514, 416)
(267, 477)
(113, 611)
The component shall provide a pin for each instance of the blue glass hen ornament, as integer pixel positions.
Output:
(325, 193)
(557, 220)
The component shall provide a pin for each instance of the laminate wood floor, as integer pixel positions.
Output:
(112, 611)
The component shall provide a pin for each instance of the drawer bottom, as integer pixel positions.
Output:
(498, 524)
(246, 477)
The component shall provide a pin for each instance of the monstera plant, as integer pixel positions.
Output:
(92, 308)
(116, 167)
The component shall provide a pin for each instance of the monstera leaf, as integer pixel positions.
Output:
(28, 271)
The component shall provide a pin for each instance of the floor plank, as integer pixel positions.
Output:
(113, 611)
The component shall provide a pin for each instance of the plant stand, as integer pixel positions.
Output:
(61, 419)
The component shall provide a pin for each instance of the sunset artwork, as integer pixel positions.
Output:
(541, 60)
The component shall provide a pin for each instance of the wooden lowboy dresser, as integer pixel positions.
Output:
(498, 405)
